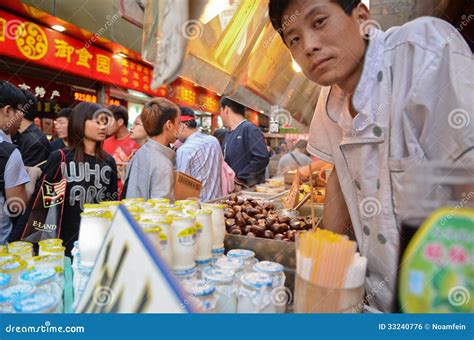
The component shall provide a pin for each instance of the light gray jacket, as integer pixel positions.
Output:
(150, 173)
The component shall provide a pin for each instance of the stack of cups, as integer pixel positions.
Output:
(183, 241)
(93, 228)
(24, 250)
(218, 229)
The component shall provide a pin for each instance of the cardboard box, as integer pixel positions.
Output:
(186, 187)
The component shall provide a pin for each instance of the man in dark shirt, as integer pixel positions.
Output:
(244, 146)
(33, 144)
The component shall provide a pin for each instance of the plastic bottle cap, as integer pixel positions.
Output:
(268, 267)
(256, 280)
(185, 272)
(243, 254)
(38, 276)
(35, 303)
(13, 266)
(219, 275)
(234, 264)
(12, 293)
(199, 287)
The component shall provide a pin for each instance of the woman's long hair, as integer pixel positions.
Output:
(76, 130)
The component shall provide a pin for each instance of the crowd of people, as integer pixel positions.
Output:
(101, 159)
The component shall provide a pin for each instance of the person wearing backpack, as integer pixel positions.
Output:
(16, 185)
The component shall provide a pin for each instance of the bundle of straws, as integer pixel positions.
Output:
(327, 259)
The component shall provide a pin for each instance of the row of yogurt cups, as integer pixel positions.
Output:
(32, 284)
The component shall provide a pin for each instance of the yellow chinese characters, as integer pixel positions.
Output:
(3, 28)
(83, 56)
(102, 63)
(31, 41)
(63, 49)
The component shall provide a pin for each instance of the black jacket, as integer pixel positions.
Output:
(33, 145)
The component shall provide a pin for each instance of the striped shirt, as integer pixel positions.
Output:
(201, 157)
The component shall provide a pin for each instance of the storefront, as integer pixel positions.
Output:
(62, 70)
(204, 102)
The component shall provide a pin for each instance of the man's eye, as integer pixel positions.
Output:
(294, 41)
(319, 22)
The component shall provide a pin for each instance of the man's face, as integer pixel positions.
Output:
(323, 40)
(11, 119)
(183, 132)
(60, 124)
(225, 116)
(112, 126)
(173, 129)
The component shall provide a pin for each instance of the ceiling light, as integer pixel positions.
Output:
(120, 55)
(58, 28)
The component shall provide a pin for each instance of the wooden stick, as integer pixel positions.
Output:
(312, 196)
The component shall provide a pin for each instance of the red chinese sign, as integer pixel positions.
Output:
(26, 40)
(185, 93)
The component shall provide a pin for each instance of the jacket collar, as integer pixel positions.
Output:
(166, 151)
(371, 77)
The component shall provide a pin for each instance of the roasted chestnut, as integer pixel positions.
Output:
(236, 231)
(230, 222)
(279, 237)
(296, 225)
(283, 219)
(257, 230)
(269, 221)
(259, 216)
(239, 219)
(251, 211)
(229, 213)
(269, 234)
(252, 220)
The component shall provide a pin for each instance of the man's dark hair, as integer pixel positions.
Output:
(64, 113)
(119, 112)
(29, 107)
(11, 95)
(187, 112)
(220, 134)
(277, 7)
(234, 106)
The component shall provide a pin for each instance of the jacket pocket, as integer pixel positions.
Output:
(401, 188)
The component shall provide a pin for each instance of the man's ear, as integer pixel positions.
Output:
(120, 122)
(361, 13)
